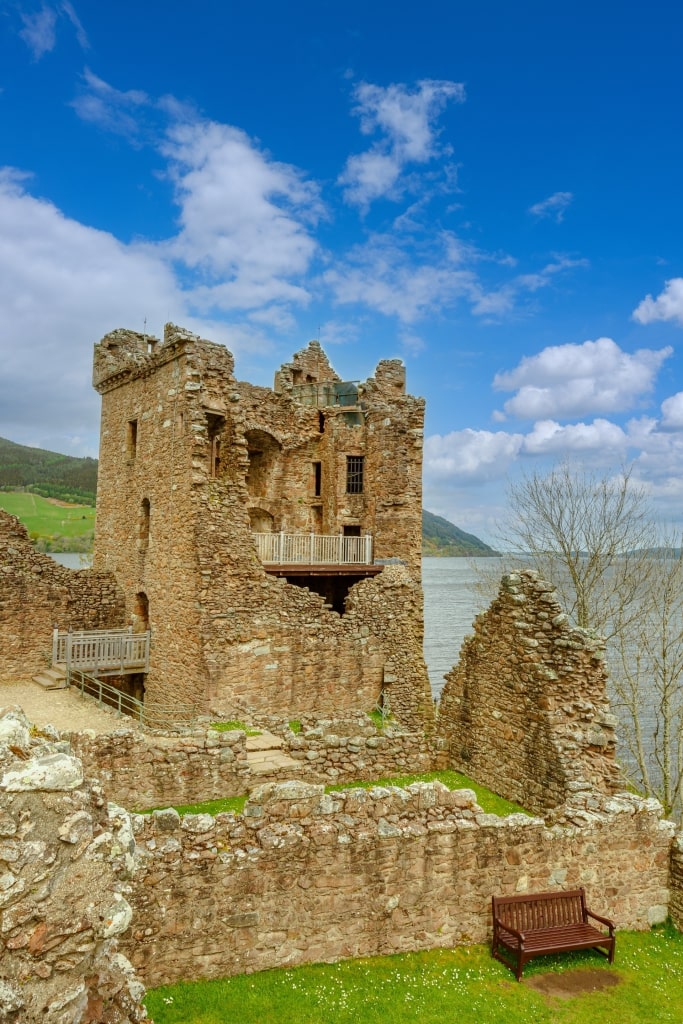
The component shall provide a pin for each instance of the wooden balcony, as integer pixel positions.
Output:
(101, 651)
(304, 554)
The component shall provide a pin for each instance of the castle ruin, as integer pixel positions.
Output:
(270, 539)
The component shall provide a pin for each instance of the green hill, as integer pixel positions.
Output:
(47, 473)
(441, 538)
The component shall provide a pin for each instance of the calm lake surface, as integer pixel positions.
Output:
(450, 606)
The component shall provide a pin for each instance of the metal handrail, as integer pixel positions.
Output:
(159, 716)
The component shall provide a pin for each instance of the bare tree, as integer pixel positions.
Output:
(595, 539)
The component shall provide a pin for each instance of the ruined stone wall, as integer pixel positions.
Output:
(140, 771)
(525, 710)
(676, 882)
(213, 459)
(36, 594)
(64, 863)
(304, 877)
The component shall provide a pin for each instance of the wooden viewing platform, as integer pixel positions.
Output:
(314, 552)
(101, 651)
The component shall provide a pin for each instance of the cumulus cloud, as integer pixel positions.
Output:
(405, 121)
(672, 412)
(573, 380)
(470, 456)
(667, 306)
(62, 286)
(245, 219)
(549, 437)
(553, 207)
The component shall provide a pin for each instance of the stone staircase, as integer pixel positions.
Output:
(51, 678)
(265, 755)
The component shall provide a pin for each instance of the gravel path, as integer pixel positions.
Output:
(65, 709)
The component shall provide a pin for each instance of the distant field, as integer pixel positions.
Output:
(46, 521)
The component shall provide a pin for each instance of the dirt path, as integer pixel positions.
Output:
(65, 709)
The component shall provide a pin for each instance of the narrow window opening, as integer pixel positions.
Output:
(354, 474)
(317, 478)
(144, 523)
(132, 438)
(215, 426)
(321, 422)
(180, 424)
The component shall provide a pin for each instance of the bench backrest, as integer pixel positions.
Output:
(541, 909)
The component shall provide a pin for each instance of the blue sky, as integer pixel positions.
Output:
(489, 191)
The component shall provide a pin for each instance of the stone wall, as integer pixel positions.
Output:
(140, 770)
(676, 882)
(36, 594)
(64, 863)
(525, 711)
(304, 877)
(191, 459)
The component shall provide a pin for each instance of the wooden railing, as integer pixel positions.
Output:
(158, 717)
(313, 549)
(102, 650)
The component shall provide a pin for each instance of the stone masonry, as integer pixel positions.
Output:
(65, 858)
(36, 594)
(303, 877)
(193, 462)
(525, 711)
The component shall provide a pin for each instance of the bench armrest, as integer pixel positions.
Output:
(497, 923)
(603, 920)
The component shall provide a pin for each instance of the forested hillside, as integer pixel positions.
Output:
(47, 473)
(441, 538)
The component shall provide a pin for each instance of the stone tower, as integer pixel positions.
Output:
(270, 539)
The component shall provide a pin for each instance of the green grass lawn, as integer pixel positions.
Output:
(463, 985)
(488, 801)
(43, 519)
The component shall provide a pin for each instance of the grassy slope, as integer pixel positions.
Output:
(46, 521)
(463, 984)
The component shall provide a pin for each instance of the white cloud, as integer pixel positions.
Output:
(667, 306)
(245, 219)
(572, 380)
(470, 456)
(405, 121)
(111, 109)
(672, 412)
(40, 31)
(554, 206)
(548, 437)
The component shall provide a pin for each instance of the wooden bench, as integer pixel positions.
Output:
(546, 922)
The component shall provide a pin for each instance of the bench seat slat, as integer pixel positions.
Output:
(554, 940)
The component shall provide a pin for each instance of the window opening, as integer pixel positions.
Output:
(317, 478)
(132, 438)
(214, 428)
(354, 474)
(351, 531)
(144, 523)
(321, 422)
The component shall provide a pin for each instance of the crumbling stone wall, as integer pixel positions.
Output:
(525, 711)
(304, 877)
(191, 459)
(141, 771)
(64, 863)
(36, 594)
(676, 882)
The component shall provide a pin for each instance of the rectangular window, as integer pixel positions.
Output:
(317, 478)
(132, 438)
(354, 474)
